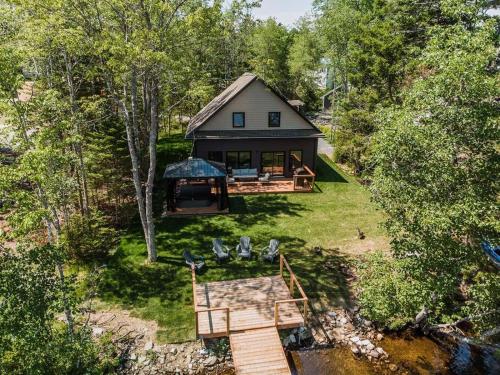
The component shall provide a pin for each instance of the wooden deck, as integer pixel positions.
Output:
(251, 304)
(250, 312)
(272, 187)
(258, 351)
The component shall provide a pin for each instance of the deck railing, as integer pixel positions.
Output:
(304, 180)
(293, 282)
(207, 310)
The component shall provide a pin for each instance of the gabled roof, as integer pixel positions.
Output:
(220, 101)
(207, 112)
(194, 168)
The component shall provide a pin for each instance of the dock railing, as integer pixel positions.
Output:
(207, 310)
(293, 282)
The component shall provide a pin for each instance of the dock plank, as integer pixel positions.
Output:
(258, 351)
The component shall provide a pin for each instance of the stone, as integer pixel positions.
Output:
(133, 357)
(365, 342)
(355, 339)
(173, 351)
(97, 331)
(380, 350)
(343, 321)
(370, 346)
(379, 336)
(355, 349)
(178, 370)
(374, 354)
(292, 339)
(210, 361)
(332, 314)
(141, 359)
(203, 351)
(393, 367)
(149, 345)
(367, 323)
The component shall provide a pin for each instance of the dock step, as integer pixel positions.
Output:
(258, 352)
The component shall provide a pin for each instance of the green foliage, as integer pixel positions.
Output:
(434, 160)
(31, 298)
(483, 304)
(270, 45)
(88, 238)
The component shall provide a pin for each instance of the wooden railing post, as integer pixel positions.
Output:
(228, 323)
(193, 279)
(305, 311)
(281, 265)
(292, 278)
(276, 313)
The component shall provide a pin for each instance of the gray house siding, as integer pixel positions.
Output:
(308, 146)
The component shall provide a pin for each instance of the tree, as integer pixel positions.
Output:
(304, 63)
(434, 160)
(270, 46)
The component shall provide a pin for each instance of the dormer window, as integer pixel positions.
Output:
(238, 119)
(274, 119)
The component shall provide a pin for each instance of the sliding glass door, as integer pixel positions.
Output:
(273, 163)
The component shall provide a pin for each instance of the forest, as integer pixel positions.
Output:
(89, 87)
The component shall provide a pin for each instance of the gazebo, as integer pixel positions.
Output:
(195, 186)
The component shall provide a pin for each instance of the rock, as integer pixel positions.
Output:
(367, 323)
(149, 345)
(332, 314)
(210, 361)
(365, 342)
(178, 370)
(97, 331)
(141, 359)
(173, 351)
(393, 367)
(355, 350)
(380, 350)
(355, 339)
(379, 336)
(203, 351)
(343, 321)
(374, 354)
(133, 357)
(370, 346)
(421, 316)
(292, 339)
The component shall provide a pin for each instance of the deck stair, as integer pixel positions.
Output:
(258, 351)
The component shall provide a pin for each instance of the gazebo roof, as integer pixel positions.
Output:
(195, 168)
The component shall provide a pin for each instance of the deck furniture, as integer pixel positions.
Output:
(194, 261)
(265, 178)
(271, 251)
(244, 248)
(245, 174)
(220, 250)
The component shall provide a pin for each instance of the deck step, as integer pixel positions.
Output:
(258, 352)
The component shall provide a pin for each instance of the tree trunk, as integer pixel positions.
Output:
(153, 135)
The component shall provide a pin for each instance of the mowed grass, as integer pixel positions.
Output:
(328, 218)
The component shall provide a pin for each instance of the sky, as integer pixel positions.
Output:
(285, 11)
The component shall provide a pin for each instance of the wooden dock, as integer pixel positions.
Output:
(250, 312)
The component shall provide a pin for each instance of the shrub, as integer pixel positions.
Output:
(88, 238)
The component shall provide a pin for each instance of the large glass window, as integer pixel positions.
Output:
(274, 119)
(295, 159)
(239, 159)
(238, 119)
(273, 163)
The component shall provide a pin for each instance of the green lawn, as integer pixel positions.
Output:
(326, 218)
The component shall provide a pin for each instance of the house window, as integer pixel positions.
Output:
(239, 159)
(238, 119)
(274, 119)
(295, 160)
(215, 156)
(273, 163)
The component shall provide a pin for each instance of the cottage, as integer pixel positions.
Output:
(251, 127)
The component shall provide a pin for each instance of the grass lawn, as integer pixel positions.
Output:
(326, 218)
